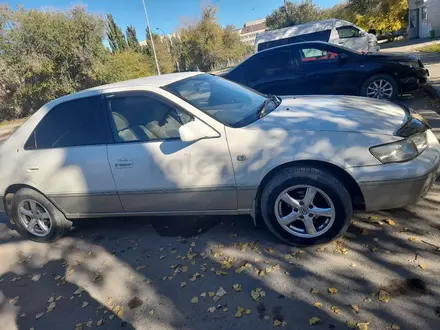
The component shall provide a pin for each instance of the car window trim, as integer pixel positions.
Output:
(152, 94)
(345, 27)
(101, 117)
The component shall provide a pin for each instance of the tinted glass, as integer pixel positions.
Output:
(348, 32)
(73, 123)
(279, 59)
(316, 36)
(317, 55)
(140, 118)
(227, 102)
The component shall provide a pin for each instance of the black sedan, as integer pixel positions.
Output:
(322, 68)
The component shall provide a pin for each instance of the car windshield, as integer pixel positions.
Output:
(225, 101)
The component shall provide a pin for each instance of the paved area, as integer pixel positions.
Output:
(196, 273)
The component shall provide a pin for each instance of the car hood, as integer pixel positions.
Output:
(398, 57)
(336, 113)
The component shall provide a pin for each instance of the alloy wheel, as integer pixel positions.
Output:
(380, 89)
(305, 211)
(34, 217)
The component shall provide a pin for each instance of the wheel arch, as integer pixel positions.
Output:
(353, 188)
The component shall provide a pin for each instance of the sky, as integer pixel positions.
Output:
(168, 15)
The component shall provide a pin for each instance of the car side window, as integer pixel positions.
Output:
(69, 124)
(272, 63)
(345, 32)
(317, 56)
(143, 117)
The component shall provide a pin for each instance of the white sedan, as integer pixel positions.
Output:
(196, 144)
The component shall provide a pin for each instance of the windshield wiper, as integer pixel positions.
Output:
(262, 108)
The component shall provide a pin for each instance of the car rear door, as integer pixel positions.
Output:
(275, 72)
(154, 170)
(66, 159)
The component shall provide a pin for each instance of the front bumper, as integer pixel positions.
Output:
(390, 186)
(415, 82)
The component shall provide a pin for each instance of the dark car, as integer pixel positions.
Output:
(322, 68)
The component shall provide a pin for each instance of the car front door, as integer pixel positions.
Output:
(154, 170)
(353, 38)
(66, 158)
(327, 70)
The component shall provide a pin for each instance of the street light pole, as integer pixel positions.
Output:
(151, 38)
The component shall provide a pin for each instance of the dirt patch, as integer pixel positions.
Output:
(135, 303)
(413, 287)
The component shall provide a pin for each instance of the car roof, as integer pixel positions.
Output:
(296, 44)
(300, 29)
(152, 81)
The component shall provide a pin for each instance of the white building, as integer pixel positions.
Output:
(424, 16)
(249, 31)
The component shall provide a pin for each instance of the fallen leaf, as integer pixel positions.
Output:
(237, 287)
(390, 222)
(317, 304)
(211, 294)
(140, 267)
(411, 239)
(395, 327)
(100, 322)
(22, 315)
(84, 304)
(78, 291)
(238, 314)
(120, 313)
(195, 300)
(422, 266)
(39, 315)
(203, 294)
(332, 290)
(57, 277)
(50, 299)
(384, 296)
(255, 295)
(182, 284)
(220, 272)
(262, 294)
(374, 249)
(220, 293)
(225, 309)
(314, 320)
(363, 325)
(376, 239)
(162, 257)
(78, 326)
(36, 277)
(276, 323)
(336, 310)
(51, 306)
(248, 312)
(151, 312)
(364, 232)
(266, 317)
(351, 325)
(111, 317)
(89, 323)
(58, 298)
(315, 291)
(355, 308)
(211, 309)
(353, 265)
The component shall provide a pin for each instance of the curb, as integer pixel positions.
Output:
(433, 90)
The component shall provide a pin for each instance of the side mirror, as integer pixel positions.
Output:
(196, 130)
(342, 58)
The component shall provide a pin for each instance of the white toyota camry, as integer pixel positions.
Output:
(196, 144)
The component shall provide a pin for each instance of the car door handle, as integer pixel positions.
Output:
(124, 163)
(33, 168)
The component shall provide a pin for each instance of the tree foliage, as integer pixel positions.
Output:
(116, 38)
(132, 40)
(294, 14)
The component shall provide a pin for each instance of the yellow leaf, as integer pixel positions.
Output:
(395, 327)
(422, 266)
(100, 322)
(390, 222)
(248, 312)
(283, 324)
(151, 312)
(384, 296)
(315, 291)
(363, 325)
(237, 287)
(255, 295)
(332, 290)
(374, 249)
(287, 257)
(353, 265)
(220, 272)
(225, 309)
(238, 314)
(211, 294)
(317, 304)
(195, 300)
(314, 320)
(193, 244)
(411, 239)
(355, 308)
(276, 323)
(336, 310)
(203, 294)
(262, 273)
(351, 325)
(121, 312)
(211, 309)
(240, 309)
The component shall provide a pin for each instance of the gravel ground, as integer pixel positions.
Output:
(145, 273)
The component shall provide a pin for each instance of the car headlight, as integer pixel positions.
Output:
(401, 151)
(412, 64)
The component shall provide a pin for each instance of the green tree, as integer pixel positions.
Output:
(46, 54)
(132, 40)
(116, 38)
(294, 14)
(163, 52)
(125, 65)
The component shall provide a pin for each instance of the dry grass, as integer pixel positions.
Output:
(430, 49)
(15, 122)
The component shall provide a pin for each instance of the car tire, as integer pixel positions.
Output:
(328, 189)
(39, 210)
(385, 80)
